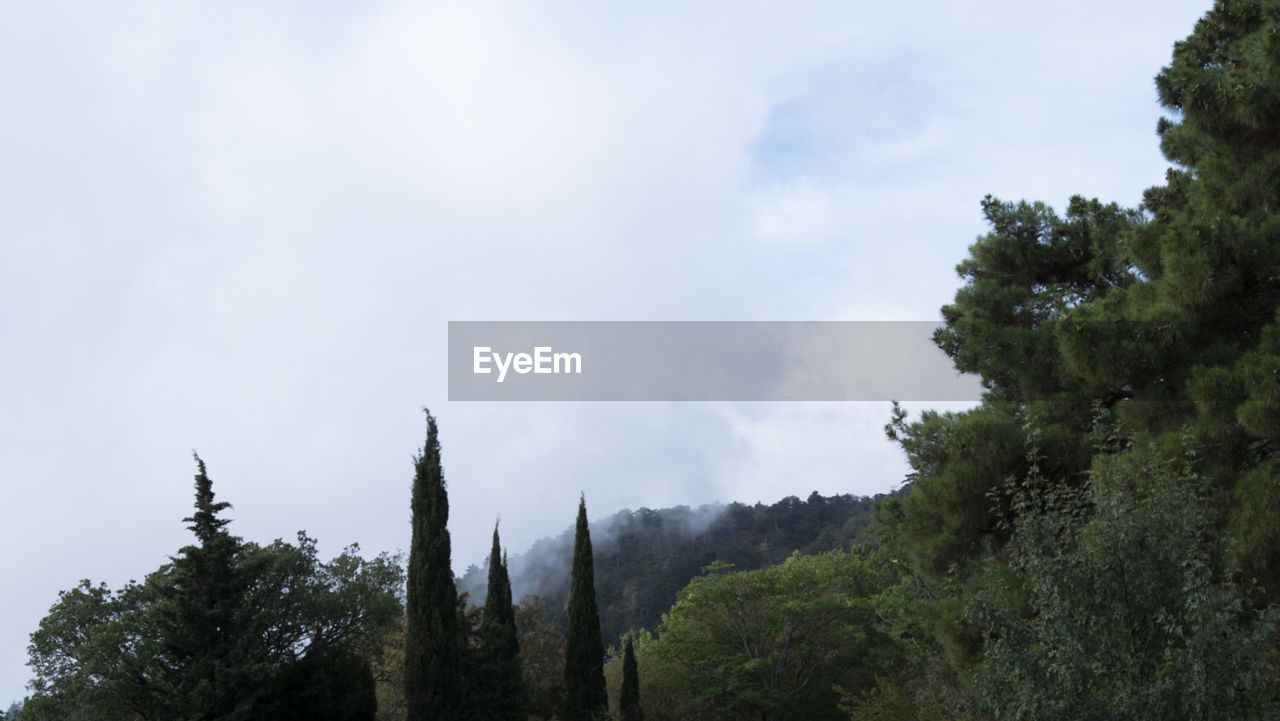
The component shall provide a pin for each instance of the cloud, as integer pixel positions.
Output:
(795, 213)
(243, 229)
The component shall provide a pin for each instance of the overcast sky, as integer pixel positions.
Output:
(241, 228)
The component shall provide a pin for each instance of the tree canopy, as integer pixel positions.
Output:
(772, 642)
(1130, 358)
(226, 630)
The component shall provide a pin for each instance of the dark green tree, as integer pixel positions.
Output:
(498, 689)
(433, 651)
(304, 632)
(101, 655)
(331, 685)
(1212, 252)
(585, 696)
(217, 666)
(1166, 317)
(629, 700)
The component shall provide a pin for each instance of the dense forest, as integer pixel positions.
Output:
(1098, 539)
(644, 557)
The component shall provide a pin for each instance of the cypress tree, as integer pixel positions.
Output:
(585, 695)
(433, 654)
(500, 686)
(630, 696)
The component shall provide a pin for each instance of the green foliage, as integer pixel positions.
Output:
(334, 686)
(1022, 279)
(671, 693)
(1126, 615)
(497, 689)
(643, 558)
(772, 642)
(883, 702)
(93, 654)
(584, 685)
(629, 695)
(542, 657)
(433, 647)
(288, 621)
(388, 675)
(204, 624)
(1164, 319)
(730, 625)
(947, 517)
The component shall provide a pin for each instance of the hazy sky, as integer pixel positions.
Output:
(241, 228)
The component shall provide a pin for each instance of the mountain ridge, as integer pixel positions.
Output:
(644, 557)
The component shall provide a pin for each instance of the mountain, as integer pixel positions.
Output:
(644, 557)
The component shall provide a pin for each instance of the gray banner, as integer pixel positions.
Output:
(701, 361)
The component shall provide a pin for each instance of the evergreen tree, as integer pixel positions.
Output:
(1165, 318)
(226, 630)
(585, 695)
(629, 700)
(433, 654)
(216, 666)
(1165, 315)
(499, 686)
(1213, 255)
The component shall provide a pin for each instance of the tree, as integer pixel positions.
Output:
(884, 702)
(95, 655)
(321, 625)
(388, 675)
(433, 652)
(1213, 257)
(218, 665)
(1166, 317)
(629, 698)
(772, 642)
(585, 696)
(671, 692)
(499, 690)
(296, 641)
(542, 656)
(1126, 615)
(332, 685)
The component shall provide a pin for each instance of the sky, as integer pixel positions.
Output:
(242, 229)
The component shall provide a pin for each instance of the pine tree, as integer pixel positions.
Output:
(433, 655)
(1166, 318)
(1213, 255)
(630, 696)
(1165, 315)
(585, 695)
(499, 689)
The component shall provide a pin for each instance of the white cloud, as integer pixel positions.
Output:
(243, 229)
(794, 213)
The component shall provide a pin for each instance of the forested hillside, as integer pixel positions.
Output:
(644, 557)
